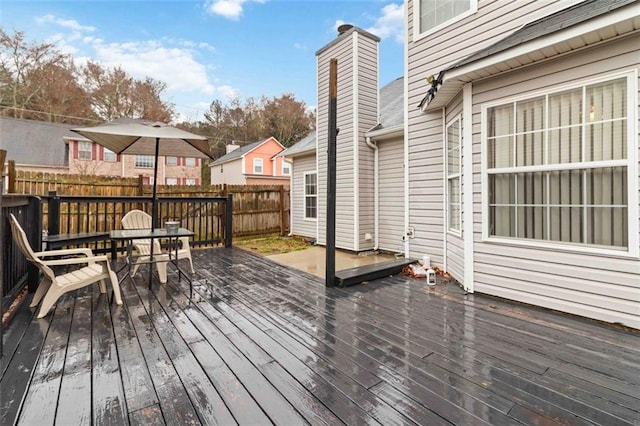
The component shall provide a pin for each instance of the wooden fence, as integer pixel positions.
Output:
(257, 209)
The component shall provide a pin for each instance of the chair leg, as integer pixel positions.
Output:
(135, 267)
(162, 271)
(103, 286)
(49, 300)
(116, 287)
(40, 292)
(191, 263)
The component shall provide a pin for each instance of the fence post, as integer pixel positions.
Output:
(140, 186)
(34, 216)
(53, 219)
(12, 177)
(282, 223)
(228, 221)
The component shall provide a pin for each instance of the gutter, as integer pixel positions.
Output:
(376, 197)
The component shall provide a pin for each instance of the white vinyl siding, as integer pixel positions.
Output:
(428, 55)
(558, 166)
(302, 165)
(391, 195)
(354, 169)
(596, 282)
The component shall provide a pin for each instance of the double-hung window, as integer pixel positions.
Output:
(454, 174)
(145, 161)
(257, 166)
(558, 165)
(110, 156)
(310, 195)
(433, 14)
(85, 150)
(286, 168)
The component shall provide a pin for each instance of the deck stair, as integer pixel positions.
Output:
(359, 274)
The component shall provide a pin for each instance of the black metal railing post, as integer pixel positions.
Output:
(53, 218)
(34, 234)
(228, 221)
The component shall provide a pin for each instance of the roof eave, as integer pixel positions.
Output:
(615, 24)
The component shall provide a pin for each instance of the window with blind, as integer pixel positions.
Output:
(558, 166)
(310, 196)
(454, 173)
(145, 161)
(435, 13)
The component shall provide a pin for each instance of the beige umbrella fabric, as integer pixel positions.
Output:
(138, 137)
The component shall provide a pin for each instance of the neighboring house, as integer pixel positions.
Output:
(52, 147)
(35, 145)
(520, 157)
(90, 158)
(257, 163)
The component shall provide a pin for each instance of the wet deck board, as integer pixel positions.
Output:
(261, 343)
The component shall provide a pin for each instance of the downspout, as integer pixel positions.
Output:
(376, 197)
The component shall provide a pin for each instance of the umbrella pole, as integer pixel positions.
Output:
(154, 209)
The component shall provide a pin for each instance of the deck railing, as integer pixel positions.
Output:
(210, 218)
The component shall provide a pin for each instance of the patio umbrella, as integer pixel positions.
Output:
(138, 137)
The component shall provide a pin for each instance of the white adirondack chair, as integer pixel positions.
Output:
(52, 286)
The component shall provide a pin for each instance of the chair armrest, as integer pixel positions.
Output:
(64, 252)
(76, 260)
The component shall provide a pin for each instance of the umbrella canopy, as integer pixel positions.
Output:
(136, 137)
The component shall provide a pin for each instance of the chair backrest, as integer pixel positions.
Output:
(137, 219)
(20, 237)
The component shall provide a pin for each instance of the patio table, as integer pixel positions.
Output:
(129, 235)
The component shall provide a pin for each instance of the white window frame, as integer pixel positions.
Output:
(171, 181)
(82, 150)
(285, 163)
(258, 164)
(190, 181)
(190, 162)
(109, 156)
(419, 34)
(144, 161)
(451, 176)
(304, 191)
(171, 161)
(633, 249)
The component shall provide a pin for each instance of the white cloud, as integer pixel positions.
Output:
(65, 23)
(176, 66)
(390, 23)
(230, 9)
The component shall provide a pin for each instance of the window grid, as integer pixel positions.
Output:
(110, 156)
(257, 166)
(586, 171)
(310, 195)
(454, 174)
(85, 150)
(144, 161)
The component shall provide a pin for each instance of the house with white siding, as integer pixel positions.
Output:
(522, 149)
(370, 143)
(519, 150)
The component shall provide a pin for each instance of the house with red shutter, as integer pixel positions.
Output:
(52, 147)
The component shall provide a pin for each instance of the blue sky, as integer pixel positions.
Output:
(210, 49)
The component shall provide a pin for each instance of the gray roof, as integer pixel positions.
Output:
(563, 19)
(392, 104)
(307, 144)
(239, 152)
(36, 142)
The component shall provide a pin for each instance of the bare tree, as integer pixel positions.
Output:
(21, 66)
(287, 119)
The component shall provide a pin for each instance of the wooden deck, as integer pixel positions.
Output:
(261, 343)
